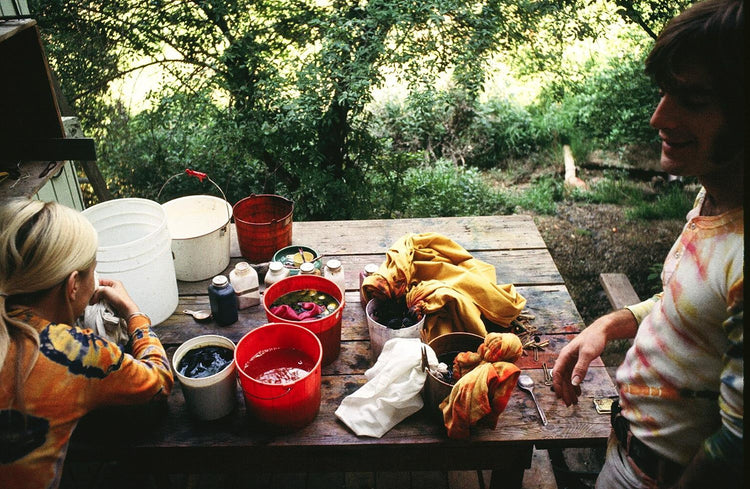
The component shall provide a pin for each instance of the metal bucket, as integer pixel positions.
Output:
(435, 390)
(264, 225)
(199, 228)
(380, 333)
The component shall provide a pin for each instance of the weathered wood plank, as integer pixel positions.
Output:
(359, 480)
(377, 235)
(552, 307)
(518, 267)
(541, 474)
(421, 441)
(465, 479)
(618, 289)
(390, 480)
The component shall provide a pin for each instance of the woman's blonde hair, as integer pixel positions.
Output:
(41, 244)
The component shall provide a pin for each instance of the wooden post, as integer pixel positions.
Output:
(73, 130)
(571, 180)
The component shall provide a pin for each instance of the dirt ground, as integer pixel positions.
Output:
(588, 239)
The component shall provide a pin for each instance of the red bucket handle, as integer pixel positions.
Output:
(200, 176)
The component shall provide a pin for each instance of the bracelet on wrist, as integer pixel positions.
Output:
(136, 314)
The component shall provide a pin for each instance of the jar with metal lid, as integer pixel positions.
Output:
(334, 271)
(369, 269)
(276, 271)
(244, 279)
(223, 301)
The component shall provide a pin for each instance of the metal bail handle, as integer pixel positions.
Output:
(288, 390)
(200, 176)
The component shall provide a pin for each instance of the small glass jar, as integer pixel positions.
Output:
(276, 271)
(307, 268)
(334, 271)
(369, 269)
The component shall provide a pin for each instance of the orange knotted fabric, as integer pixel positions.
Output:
(486, 379)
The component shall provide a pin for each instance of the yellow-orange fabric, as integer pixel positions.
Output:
(487, 379)
(442, 280)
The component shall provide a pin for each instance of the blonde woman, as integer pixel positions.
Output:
(53, 373)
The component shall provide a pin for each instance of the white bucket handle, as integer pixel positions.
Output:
(200, 176)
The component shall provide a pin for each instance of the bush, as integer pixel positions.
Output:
(444, 189)
(610, 190)
(673, 204)
(541, 196)
(610, 109)
(138, 154)
(503, 130)
(448, 125)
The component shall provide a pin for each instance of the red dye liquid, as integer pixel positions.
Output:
(279, 365)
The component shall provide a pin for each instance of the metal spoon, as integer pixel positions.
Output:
(198, 315)
(527, 383)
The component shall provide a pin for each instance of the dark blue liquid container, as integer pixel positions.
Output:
(223, 301)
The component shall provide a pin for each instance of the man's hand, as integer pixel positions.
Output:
(573, 362)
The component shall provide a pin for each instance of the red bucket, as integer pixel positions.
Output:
(328, 328)
(264, 225)
(281, 402)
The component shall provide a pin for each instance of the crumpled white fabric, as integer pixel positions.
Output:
(392, 391)
(103, 320)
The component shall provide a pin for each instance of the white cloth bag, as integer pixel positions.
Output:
(392, 391)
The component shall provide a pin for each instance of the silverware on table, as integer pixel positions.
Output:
(198, 315)
(547, 374)
(527, 383)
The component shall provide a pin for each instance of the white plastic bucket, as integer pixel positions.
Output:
(134, 248)
(211, 397)
(199, 227)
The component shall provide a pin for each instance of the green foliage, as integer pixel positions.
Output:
(611, 108)
(504, 130)
(388, 190)
(673, 204)
(444, 189)
(654, 278)
(274, 96)
(541, 196)
(297, 76)
(611, 190)
(446, 124)
(182, 131)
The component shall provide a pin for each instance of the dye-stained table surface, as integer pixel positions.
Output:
(168, 439)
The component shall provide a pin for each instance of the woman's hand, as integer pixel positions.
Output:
(115, 294)
(573, 362)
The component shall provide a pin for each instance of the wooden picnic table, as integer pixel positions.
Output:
(169, 440)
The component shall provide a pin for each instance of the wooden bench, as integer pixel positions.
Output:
(618, 289)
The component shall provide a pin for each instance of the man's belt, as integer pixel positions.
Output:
(648, 461)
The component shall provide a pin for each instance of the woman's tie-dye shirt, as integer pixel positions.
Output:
(76, 372)
(682, 380)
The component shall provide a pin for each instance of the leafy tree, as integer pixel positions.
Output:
(296, 75)
(650, 15)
